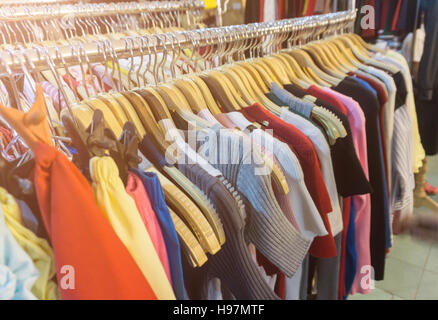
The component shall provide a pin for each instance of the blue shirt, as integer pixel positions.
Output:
(351, 254)
(155, 192)
(365, 84)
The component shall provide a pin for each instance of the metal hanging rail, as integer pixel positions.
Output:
(28, 2)
(66, 55)
(25, 12)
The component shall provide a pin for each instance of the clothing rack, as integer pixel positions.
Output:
(27, 2)
(298, 29)
(25, 12)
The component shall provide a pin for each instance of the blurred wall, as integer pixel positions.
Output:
(235, 13)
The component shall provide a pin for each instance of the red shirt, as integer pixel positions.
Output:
(322, 247)
(327, 97)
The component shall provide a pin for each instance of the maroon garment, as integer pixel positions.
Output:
(396, 16)
(322, 247)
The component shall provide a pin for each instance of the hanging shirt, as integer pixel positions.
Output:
(379, 201)
(349, 174)
(308, 219)
(382, 95)
(323, 150)
(273, 235)
(122, 213)
(303, 148)
(17, 271)
(307, 216)
(320, 144)
(80, 235)
(135, 188)
(397, 97)
(362, 202)
(406, 49)
(419, 153)
(403, 151)
(155, 192)
(38, 249)
(387, 116)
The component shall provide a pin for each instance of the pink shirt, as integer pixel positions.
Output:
(135, 188)
(362, 203)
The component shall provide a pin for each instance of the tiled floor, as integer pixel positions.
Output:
(412, 266)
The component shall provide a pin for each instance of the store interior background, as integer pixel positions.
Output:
(412, 265)
(411, 271)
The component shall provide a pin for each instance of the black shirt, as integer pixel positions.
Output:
(349, 175)
(379, 210)
(401, 94)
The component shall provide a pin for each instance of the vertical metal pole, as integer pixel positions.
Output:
(219, 21)
(414, 36)
(351, 5)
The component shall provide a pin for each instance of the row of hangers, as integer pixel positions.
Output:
(31, 24)
(309, 51)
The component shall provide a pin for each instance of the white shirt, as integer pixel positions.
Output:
(323, 151)
(406, 49)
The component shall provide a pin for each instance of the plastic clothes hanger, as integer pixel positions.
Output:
(308, 65)
(88, 142)
(330, 50)
(236, 81)
(38, 117)
(155, 101)
(277, 175)
(187, 211)
(190, 244)
(209, 99)
(195, 101)
(190, 90)
(221, 94)
(315, 49)
(251, 81)
(199, 198)
(125, 153)
(175, 101)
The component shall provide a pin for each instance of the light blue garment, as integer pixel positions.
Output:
(297, 105)
(17, 271)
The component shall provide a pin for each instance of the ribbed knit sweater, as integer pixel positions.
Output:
(273, 235)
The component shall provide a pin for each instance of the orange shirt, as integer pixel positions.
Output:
(82, 239)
